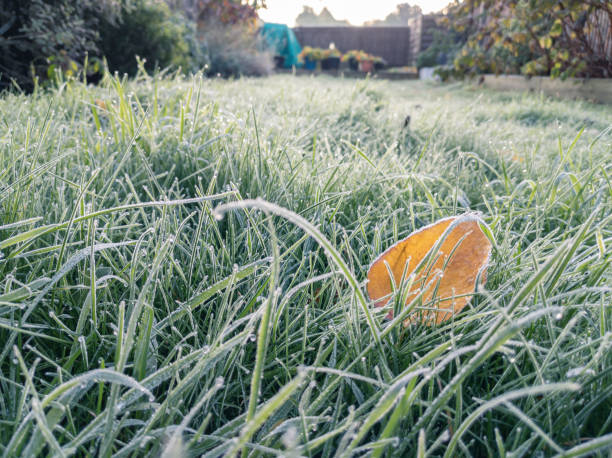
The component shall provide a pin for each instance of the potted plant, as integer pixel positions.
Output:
(310, 57)
(366, 62)
(331, 59)
(352, 59)
(379, 63)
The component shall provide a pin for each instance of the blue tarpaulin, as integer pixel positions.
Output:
(283, 41)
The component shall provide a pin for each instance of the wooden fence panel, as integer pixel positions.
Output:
(390, 43)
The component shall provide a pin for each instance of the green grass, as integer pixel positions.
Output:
(184, 260)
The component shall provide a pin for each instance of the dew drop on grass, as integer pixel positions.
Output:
(575, 372)
(558, 316)
(290, 438)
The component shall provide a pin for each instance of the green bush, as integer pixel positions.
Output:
(150, 30)
(36, 34)
(38, 38)
(547, 37)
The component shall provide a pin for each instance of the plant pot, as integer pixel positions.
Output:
(379, 66)
(330, 63)
(353, 64)
(366, 66)
(310, 64)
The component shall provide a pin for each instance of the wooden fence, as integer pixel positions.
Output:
(390, 43)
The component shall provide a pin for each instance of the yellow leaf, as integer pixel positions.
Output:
(450, 277)
(556, 29)
(546, 42)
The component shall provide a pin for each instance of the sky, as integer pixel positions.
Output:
(355, 11)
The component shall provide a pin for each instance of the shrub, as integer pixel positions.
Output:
(546, 37)
(227, 42)
(234, 50)
(150, 30)
(35, 34)
(38, 37)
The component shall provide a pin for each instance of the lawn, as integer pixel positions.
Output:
(183, 266)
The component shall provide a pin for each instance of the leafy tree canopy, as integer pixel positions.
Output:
(308, 18)
(559, 38)
(400, 17)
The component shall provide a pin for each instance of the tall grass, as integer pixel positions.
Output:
(183, 263)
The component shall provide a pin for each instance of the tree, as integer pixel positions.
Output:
(227, 36)
(400, 17)
(232, 10)
(308, 18)
(548, 37)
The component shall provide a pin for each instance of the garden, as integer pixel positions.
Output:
(189, 263)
